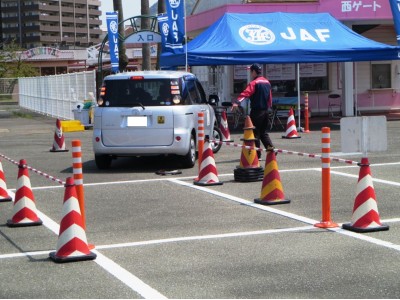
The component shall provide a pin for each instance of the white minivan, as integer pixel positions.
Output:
(150, 113)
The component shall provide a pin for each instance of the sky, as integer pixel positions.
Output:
(131, 9)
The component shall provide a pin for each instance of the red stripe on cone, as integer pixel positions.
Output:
(4, 196)
(72, 243)
(24, 209)
(223, 126)
(291, 131)
(365, 216)
(58, 143)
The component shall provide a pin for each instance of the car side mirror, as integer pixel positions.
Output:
(213, 100)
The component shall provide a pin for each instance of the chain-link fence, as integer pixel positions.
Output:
(57, 95)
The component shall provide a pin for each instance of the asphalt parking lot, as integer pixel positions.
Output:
(164, 237)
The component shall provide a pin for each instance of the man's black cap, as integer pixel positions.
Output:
(256, 67)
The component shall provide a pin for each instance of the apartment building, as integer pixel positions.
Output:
(61, 24)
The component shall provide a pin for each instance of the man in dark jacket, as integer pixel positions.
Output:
(260, 95)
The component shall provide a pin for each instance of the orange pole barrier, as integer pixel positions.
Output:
(78, 177)
(306, 120)
(200, 137)
(326, 181)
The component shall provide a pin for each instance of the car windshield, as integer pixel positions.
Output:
(128, 93)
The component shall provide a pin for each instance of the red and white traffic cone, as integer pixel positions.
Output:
(4, 195)
(208, 174)
(223, 126)
(365, 211)
(24, 208)
(59, 143)
(291, 131)
(272, 190)
(72, 244)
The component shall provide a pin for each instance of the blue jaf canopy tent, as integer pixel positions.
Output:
(238, 39)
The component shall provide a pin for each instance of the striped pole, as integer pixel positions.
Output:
(78, 176)
(200, 137)
(306, 121)
(326, 181)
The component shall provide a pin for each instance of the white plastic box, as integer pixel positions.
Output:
(82, 115)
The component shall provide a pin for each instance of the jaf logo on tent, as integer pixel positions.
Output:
(256, 34)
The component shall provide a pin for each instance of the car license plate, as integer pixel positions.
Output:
(137, 121)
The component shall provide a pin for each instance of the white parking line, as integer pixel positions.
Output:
(292, 216)
(145, 290)
(373, 179)
(111, 267)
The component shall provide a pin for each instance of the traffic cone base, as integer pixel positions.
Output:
(64, 259)
(5, 199)
(326, 224)
(291, 137)
(23, 223)
(271, 202)
(210, 182)
(58, 143)
(208, 174)
(248, 174)
(365, 211)
(62, 150)
(349, 226)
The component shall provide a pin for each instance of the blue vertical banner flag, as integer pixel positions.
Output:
(395, 6)
(172, 26)
(112, 30)
(163, 28)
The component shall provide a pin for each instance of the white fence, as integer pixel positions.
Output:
(57, 95)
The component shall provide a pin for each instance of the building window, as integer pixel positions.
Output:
(381, 76)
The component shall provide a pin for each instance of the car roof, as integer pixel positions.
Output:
(150, 75)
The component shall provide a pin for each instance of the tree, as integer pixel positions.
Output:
(12, 65)
(123, 58)
(161, 9)
(145, 24)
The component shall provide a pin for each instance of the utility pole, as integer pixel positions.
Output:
(145, 24)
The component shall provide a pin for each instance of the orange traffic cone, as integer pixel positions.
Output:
(4, 196)
(24, 208)
(271, 191)
(208, 174)
(72, 244)
(249, 158)
(365, 211)
(249, 168)
(223, 126)
(291, 131)
(59, 143)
